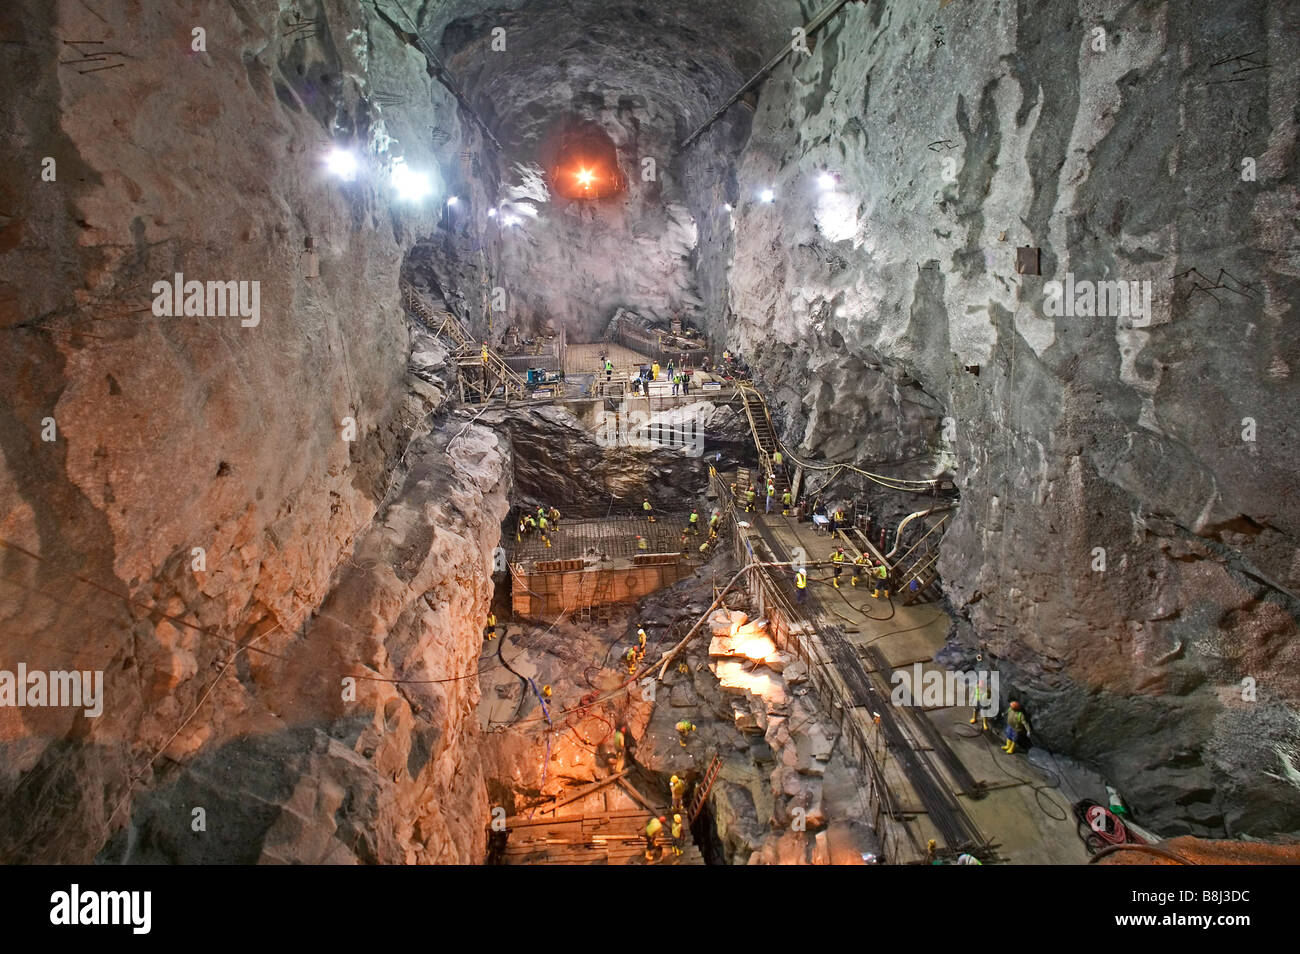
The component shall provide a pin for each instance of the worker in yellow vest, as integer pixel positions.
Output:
(837, 559)
(880, 585)
(786, 501)
(485, 354)
(652, 830)
(704, 547)
(1017, 728)
(555, 518)
(543, 525)
(490, 630)
(713, 522)
(630, 658)
(677, 785)
(858, 563)
(694, 522)
(620, 748)
(800, 585)
(777, 459)
(684, 729)
(981, 697)
(679, 836)
(654, 372)
(749, 500)
(640, 643)
(648, 510)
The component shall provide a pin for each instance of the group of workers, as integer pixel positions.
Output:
(677, 788)
(877, 573)
(545, 522)
(616, 759)
(692, 528)
(678, 378)
(636, 652)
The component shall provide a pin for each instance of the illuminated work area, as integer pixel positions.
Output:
(650, 433)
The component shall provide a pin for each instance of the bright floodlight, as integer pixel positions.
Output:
(410, 185)
(492, 213)
(767, 195)
(342, 163)
(826, 181)
(452, 200)
(726, 206)
(511, 220)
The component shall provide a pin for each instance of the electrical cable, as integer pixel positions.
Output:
(1150, 849)
(1038, 787)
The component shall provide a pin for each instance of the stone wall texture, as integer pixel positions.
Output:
(197, 432)
(890, 302)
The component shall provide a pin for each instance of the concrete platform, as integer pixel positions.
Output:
(1017, 807)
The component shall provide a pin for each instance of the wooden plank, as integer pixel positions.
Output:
(640, 798)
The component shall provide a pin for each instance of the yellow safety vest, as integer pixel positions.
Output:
(800, 580)
(837, 557)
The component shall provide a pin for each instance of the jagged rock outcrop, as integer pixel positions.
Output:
(202, 486)
(355, 741)
(587, 468)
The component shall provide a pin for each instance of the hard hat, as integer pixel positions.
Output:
(1015, 705)
(673, 780)
(677, 818)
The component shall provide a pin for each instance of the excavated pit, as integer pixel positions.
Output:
(276, 534)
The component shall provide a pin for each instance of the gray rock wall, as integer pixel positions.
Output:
(954, 136)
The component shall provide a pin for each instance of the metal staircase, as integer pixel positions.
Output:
(764, 434)
(918, 565)
(437, 320)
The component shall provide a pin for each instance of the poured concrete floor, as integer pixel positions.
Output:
(1020, 810)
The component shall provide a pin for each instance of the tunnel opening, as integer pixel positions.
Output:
(582, 162)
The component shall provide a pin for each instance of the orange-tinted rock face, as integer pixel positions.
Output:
(173, 489)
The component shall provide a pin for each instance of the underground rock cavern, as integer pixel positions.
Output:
(611, 432)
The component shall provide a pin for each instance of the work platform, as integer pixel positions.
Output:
(597, 562)
(929, 774)
(585, 358)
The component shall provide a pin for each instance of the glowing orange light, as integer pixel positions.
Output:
(585, 177)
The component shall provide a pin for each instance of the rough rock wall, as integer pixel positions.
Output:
(591, 471)
(175, 433)
(956, 135)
